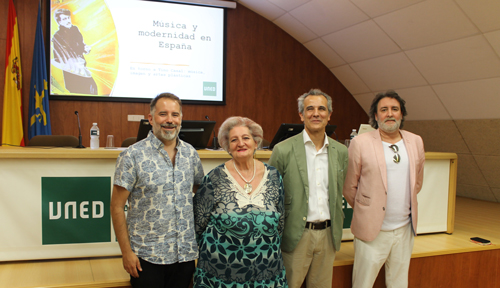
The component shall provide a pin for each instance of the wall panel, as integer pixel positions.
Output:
(477, 159)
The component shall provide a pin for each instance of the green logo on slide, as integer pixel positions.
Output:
(209, 88)
(76, 210)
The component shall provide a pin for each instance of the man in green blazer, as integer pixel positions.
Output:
(313, 167)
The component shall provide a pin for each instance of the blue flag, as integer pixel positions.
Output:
(39, 115)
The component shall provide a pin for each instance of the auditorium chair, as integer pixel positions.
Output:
(54, 140)
(129, 141)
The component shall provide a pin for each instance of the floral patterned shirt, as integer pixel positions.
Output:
(160, 205)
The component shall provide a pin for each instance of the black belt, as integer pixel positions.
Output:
(318, 225)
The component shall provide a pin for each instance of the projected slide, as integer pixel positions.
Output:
(136, 49)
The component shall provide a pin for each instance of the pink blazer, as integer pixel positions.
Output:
(365, 187)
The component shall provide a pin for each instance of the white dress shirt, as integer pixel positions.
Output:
(317, 173)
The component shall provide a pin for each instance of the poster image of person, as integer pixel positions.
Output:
(69, 51)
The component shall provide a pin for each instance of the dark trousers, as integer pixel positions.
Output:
(177, 275)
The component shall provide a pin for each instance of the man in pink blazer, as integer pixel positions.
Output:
(384, 175)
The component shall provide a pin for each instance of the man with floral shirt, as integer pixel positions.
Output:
(157, 176)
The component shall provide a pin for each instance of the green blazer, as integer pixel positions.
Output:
(289, 157)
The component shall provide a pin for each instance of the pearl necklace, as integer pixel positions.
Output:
(248, 186)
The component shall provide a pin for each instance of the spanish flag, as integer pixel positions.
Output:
(12, 125)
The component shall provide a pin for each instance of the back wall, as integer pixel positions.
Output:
(266, 70)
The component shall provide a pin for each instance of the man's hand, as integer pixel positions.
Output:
(131, 264)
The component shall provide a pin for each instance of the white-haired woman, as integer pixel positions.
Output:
(239, 215)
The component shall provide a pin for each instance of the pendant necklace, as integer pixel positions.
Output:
(248, 186)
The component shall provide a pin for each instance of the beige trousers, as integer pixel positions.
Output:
(390, 247)
(312, 260)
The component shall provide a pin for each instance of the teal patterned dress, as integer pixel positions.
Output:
(239, 235)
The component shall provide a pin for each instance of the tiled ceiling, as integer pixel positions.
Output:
(441, 56)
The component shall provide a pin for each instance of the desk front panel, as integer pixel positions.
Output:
(25, 235)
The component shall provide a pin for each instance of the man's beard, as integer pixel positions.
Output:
(389, 128)
(166, 135)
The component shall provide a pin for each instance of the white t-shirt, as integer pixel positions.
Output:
(398, 208)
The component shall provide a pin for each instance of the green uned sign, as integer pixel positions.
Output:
(347, 214)
(76, 210)
(209, 88)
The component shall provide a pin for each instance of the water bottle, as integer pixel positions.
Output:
(354, 133)
(94, 136)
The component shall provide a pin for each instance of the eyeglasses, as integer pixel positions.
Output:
(395, 149)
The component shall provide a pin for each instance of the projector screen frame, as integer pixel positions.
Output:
(66, 97)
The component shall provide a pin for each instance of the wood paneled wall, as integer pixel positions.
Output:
(266, 70)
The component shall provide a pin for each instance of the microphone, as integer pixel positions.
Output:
(215, 144)
(79, 132)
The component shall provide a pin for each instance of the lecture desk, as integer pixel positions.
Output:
(29, 232)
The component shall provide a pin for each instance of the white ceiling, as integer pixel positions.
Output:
(441, 56)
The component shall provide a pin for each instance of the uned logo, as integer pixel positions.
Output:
(97, 210)
(209, 88)
(76, 210)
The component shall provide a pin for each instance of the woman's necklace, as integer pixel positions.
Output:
(248, 186)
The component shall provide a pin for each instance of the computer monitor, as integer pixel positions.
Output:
(363, 128)
(197, 133)
(288, 130)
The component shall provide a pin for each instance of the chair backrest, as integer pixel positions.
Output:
(129, 141)
(54, 140)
